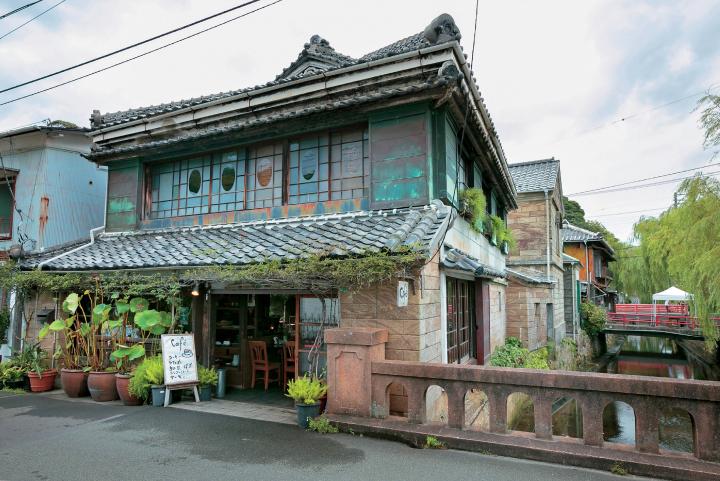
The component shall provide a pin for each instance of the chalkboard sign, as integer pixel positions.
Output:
(179, 362)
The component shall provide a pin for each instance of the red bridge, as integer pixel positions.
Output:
(659, 320)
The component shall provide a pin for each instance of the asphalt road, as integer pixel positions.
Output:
(49, 439)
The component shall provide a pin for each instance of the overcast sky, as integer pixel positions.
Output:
(557, 77)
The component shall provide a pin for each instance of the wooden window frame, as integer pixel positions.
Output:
(12, 180)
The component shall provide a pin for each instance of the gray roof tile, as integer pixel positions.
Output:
(536, 175)
(248, 243)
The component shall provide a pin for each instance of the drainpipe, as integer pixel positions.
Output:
(587, 271)
(92, 237)
(547, 235)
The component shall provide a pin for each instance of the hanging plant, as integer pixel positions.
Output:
(472, 207)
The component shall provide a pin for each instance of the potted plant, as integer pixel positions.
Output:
(72, 349)
(41, 377)
(208, 377)
(11, 375)
(306, 391)
(148, 379)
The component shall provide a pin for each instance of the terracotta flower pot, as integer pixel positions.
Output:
(122, 383)
(44, 382)
(101, 385)
(74, 382)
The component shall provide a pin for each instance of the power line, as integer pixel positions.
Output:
(19, 9)
(627, 212)
(35, 17)
(652, 184)
(115, 52)
(643, 180)
(137, 56)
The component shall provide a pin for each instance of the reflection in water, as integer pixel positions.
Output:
(650, 356)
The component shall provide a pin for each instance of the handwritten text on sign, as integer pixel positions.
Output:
(178, 352)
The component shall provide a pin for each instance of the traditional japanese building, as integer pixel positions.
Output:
(594, 254)
(535, 265)
(339, 157)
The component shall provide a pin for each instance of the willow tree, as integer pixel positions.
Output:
(682, 247)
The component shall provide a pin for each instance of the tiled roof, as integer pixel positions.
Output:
(319, 105)
(570, 259)
(528, 277)
(318, 55)
(536, 175)
(247, 243)
(459, 260)
(572, 233)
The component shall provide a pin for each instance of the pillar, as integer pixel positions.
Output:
(350, 354)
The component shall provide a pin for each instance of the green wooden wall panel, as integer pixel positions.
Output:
(124, 189)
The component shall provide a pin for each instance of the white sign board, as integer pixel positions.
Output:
(179, 362)
(403, 293)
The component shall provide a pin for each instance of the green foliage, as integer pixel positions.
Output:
(62, 123)
(10, 372)
(593, 318)
(4, 324)
(207, 376)
(321, 425)
(512, 354)
(306, 390)
(33, 358)
(431, 442)
(619, 469)
(574, 213)
(148, 373)
(473, 205)
(710, 119)
(501, 231)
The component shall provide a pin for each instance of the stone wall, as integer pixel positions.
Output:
(34, 303)
(498, 314)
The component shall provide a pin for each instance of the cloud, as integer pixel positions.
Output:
(556, 75)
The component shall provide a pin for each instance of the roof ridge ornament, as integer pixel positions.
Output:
(442, 29)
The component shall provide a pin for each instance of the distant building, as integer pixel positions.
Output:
(571, 295)
(535, 266)
(594, 254)
(50, 195)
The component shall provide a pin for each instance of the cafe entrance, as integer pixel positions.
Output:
(268, 334)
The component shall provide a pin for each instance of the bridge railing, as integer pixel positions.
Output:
(362, 383)
(675, 321)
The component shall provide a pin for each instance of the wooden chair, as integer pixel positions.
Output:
(258, 353)
(288, 361)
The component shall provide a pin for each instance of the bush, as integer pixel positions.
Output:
(148, 373)
(306, 390)
(207, 376)
(321, 425)
(593, 318)
(512, 354)
(472, 206)
(431, 442)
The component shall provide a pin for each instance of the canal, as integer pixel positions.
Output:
(642, 356)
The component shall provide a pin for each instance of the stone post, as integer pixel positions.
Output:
(350, 354)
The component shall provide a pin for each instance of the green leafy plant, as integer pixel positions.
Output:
(472, 207)
(306, 390)
(148, 373)
(34, 358)
(10, 373)
(501, 232)
(321, 425)
(593, 318)
(512, 354)
(4, 324)
(207, 376)
(619, 469)
(431, 442)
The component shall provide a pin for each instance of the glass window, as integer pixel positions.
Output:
(329, 167)
(7, 187)
(265, 180)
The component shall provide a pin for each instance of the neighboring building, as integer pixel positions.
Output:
(337, 154)
(571, 295)
(536, 312)
(594, 254)
(50, 195)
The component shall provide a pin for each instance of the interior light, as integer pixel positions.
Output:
(196, 289)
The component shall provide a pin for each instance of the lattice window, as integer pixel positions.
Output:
(264, 176)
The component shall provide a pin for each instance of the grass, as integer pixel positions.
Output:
(431, 442)
(12, 390)
(619, 469)
(321, 425)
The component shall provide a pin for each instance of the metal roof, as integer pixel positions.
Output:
(246, 243)
(536, 175)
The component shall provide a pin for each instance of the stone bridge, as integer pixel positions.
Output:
(361, 382)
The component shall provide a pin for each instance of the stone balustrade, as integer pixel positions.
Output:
(360, 380)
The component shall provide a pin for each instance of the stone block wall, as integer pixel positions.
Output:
(529, 226)
(498, 314)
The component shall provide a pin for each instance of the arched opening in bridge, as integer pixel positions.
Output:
(567, 418)
(477, 410)
(619, 423)
(676, 430)
(520, 412)
(396, 398)
(436, 405)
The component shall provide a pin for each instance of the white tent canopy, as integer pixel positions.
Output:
(672, 294)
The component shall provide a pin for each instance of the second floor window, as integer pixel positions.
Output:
(7, 188)
(320, 167)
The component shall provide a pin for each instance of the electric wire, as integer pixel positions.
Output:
(75, 79)
(128, 47)
(626, 212)
(651, 184)
(644, 179)
(19, 9)
(32, 19)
